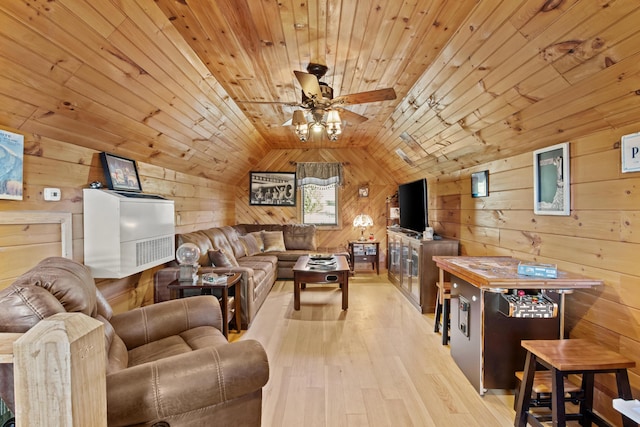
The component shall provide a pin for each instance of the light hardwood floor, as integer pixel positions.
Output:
(377, 364)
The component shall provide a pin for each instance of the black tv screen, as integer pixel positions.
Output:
(412, 198)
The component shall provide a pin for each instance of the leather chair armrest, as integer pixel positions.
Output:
(153, 322)
(153, 391)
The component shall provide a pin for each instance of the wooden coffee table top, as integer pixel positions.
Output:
(341, 265)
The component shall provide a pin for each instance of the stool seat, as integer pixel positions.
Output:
(570, 356)
(542, 389)
(443, 306)
(577, 355)
(542, 383)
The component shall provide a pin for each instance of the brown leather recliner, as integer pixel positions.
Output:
(165, 362)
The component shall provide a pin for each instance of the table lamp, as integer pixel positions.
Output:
(363, 221)
(187, 256)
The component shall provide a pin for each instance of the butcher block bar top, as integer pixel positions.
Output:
(495, 273)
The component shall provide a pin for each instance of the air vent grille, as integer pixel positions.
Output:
(153, 250)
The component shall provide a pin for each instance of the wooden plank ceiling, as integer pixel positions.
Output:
(159, 81)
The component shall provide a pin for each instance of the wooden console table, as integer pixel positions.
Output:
(411, 269)
(485, 343)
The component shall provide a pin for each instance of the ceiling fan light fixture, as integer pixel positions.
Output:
(319, 107)
(333, 117)
(316, 127)
(302, 132)
(298, 118)
(301, 126)
(332, 135)
(334, 125)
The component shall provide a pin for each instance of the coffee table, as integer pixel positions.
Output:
(227, 305)
(304, 273)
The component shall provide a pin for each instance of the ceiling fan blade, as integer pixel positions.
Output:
(290, 104)
(364, 97)
(310, 85)
(351, 117)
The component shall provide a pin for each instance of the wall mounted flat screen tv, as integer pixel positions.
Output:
(412, 198)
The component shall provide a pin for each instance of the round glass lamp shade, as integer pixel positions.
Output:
(188, 254)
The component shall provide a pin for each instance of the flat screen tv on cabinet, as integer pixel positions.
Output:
(412, 198)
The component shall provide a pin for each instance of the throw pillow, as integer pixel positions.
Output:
(258, 236)
(220, 258)
(251, 245)
(273, 241)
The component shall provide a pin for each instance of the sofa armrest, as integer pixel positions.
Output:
(157, 321)
(186, 382)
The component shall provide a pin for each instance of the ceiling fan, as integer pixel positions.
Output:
(320, 110)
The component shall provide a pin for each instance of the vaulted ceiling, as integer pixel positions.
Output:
(162, 81)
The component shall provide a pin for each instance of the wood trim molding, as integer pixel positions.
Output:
(45, 217)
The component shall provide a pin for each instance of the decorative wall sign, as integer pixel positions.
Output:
(121, 173)
(480, 184)
(11, 165)
(272, 188)
(630, 149)
(551, 180)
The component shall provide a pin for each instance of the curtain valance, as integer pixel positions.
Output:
(319, 173)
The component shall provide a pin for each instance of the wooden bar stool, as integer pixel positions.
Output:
(443, 307)
(570, 356)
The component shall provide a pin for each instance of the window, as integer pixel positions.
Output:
(319, 184)
(320, 204)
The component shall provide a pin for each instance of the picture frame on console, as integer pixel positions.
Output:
(551, 180)
(272, 188)
(120, 173)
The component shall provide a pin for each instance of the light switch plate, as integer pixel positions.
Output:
(52, 194)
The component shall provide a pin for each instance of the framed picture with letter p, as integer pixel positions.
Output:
(551, 183)
(630, 148)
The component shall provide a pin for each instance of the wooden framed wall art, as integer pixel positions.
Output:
(551, 180)
(480, 184)
(11, 165)
(272, 188)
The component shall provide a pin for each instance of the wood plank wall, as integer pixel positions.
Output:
(359, 169)
(199, 203)
(596, 240)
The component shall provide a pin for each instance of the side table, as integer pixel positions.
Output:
(365, 251)
(228, 305)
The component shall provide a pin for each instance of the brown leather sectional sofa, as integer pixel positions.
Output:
(167, 364)
(285, 243)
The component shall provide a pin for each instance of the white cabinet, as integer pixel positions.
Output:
(126, 233)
